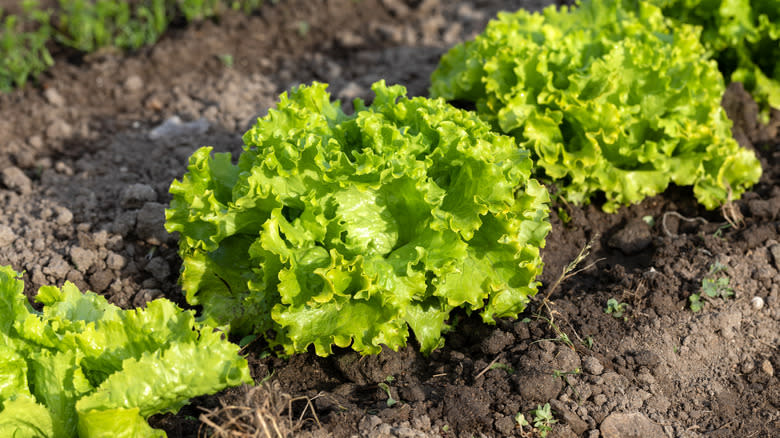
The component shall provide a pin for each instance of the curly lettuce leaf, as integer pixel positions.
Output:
(608, 100)
(348, 230)
(23, 417)
(743, 36)
(83, 367)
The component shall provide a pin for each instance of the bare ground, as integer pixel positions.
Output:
(85, 178)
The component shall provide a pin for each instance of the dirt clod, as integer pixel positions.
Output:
(14, 179)
(632, 238)
(630, 425)
(150, 224)
(136, 195)
(591, 365)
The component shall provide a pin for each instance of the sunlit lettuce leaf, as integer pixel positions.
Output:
(22, 417)
(122, 366)
(743, 36)
(116, 423)
(347, 230)
(608, 100)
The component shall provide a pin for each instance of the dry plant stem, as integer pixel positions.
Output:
(262, 416)
(731, 212)
(481, 373)
(682, 218)
(569, 270)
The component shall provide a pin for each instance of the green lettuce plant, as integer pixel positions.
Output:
(83, 367)
(347, 229)
(743, 36)
(607, 99)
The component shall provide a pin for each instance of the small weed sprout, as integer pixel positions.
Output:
(226, 59)
(502, 366)
(712, 286)
(564, 375)
(303, 28)
(588, 342)
(543, 419)
(386, 388)
(563, 215)
(521, 421)
(616, 309)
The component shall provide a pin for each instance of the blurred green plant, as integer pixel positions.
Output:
(23, 51)
(91, 25)
(743, 36)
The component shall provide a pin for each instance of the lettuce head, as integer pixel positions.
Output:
(744, 38)
(612, 100)
(349, 229)
(83, 367)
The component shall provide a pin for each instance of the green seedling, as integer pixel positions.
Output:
(303, 28)
(719, 232)
(502, 366)
(226, 59)
(711, 287)
(563, 215)
(386, 388)
(615, 308)
(542, 417)
(562, 337)
(564, 375)
(588, 342)
(649, 220)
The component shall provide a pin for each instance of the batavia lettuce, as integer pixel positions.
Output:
(336, 229)
(83, 367)
(608, 100)
(744, 36)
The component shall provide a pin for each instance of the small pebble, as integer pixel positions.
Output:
(175, 127)
(16, 180)
(54, 97)
(767, 368)
(134, 83)
(592, 366)
(7, 235)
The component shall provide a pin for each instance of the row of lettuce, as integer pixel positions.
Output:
(29, 35)
(348, 230)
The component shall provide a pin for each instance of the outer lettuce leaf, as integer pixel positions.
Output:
(163, 381)
(116, 423)
(83, 367)
(22, 417)
(608, 100)
(346, 230)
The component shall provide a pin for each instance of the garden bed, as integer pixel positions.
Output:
(90, 152)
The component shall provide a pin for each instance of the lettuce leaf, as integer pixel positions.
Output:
(743, 36)
(83, 367)
(608, 100)
(347, 230)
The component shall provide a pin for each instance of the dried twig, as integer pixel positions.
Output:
(481, 373)
(682, 218)
(266, 412)
(569, 270)
(731, 212)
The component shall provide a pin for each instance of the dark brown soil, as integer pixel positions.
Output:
(84, 182)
